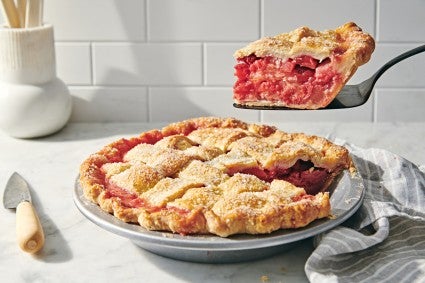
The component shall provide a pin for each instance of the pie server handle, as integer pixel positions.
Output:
(29, 232)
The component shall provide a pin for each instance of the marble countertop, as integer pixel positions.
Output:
(76, 250)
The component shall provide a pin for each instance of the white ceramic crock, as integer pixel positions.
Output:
(34, 102)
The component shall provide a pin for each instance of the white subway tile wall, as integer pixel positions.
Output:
(178, 64)
(167, 60)
(109, 104)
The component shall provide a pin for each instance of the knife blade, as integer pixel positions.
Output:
(29, 232)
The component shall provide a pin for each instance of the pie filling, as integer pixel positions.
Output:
(127, 198)
(303, 174)
(297, 81)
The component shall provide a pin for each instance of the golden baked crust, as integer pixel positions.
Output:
(318, 44)
(347, 47)
(212, 175)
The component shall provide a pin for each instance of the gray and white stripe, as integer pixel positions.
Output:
(384, 241)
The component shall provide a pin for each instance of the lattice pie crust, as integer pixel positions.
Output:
(215, 175)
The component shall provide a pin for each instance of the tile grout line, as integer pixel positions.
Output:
(92, 65)
(148, 104)
(147, 39)
(204, 64)
(261, 18)
(375, 106)
(377, 2)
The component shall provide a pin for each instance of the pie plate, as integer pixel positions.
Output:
(347, 194)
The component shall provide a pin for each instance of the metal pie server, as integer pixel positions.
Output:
(29, 231)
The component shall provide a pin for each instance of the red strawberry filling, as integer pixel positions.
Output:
(298, 81)
(127, 198)
(303, 174)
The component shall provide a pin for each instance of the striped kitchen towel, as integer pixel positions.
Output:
(384, 241)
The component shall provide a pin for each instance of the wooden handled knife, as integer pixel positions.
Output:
(29, 231)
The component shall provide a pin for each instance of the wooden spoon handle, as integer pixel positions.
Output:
(21, 5)
(11, 13)
(29, 232)
(34, 13)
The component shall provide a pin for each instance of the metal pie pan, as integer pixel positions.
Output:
(347, 194)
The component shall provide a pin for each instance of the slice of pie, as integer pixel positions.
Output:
(216, 176)
(302, 69)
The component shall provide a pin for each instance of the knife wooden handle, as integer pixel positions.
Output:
(29, 232)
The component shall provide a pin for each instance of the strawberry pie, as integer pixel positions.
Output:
(217, 176)
(302, 69)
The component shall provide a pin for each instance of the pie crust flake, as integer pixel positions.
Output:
(214, 175)
(302, 69)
